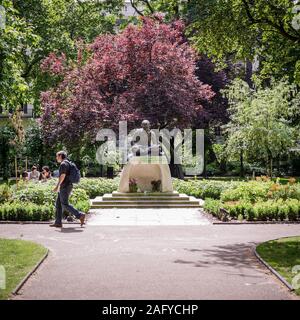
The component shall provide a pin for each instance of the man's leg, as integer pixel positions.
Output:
(64, 195)
(58, 213)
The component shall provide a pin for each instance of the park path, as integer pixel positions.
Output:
(189, 261)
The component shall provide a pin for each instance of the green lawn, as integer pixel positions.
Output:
(283, 255)
(18, 258)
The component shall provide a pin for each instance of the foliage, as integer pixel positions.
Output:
(146, 71)
(25, 211)
(258, 201)
(239, 30)
(35, 201)
(34, 146)
(212, 206)
(40, 193)
(250, 191)
(36, 28)
(287, 191)
(15, 38)
(7, 134)
(260, 124)
(133, 185)
(203, 188)
(215, 112)
(98, 186)
(253, 200)
(5, 193)
(248, 29)
(80, 199)
(262, 190)
(264, 210)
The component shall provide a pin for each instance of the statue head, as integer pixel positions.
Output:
(146, 125)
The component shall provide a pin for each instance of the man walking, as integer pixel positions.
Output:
(64, 188)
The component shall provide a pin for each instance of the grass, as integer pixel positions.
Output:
(282, 255)
(18, 257)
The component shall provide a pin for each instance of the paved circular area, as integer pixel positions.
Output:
(152, 262)
(148, 217)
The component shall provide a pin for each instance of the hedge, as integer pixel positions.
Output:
(20, 211)
(203, 189)
(253, 200)
(270, 210)
(36, 201)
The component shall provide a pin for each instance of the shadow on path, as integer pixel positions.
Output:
(70, 230)
(237, 255)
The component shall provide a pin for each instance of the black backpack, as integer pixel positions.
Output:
(74, 174)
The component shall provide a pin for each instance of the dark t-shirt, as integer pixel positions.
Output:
(65, 168)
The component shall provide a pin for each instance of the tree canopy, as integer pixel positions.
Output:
(16, 36)
(36, 28)
(146, 71)
(261, 121)
(268, 30)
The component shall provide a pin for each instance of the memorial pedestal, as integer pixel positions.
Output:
(144, 170)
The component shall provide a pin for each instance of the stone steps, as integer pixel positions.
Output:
(104, 206)
(141, 194)
(142, 200)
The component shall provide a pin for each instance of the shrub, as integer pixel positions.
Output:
(38, 193)
(240, 209)
(294, 209)
(203, 188)
(20, 211)
(249, 211)
(254, 200)
(80, 199)
(5, 193)
(250, 191)
(264, 210)
(283, 211)
(287, 191)
(35, 202)
(98, 186)
(212, 206)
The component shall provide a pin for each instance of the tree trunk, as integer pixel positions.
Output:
(249, 72)
(242, 170)
(101, 170)
(270, 164)
(110, 172)
(223, 166)
(5, 168)
(271, 167)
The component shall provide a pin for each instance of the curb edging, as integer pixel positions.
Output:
(31, 222)
(29, 274)
(273, 270)
(256, 223)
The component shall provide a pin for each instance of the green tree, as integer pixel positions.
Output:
(240, 30)
(246, 29)
(7, 134)
(260, 127)
(57, 26)
(16, 36)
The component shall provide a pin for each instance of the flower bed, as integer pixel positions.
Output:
(36, 201)
(261, 200)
